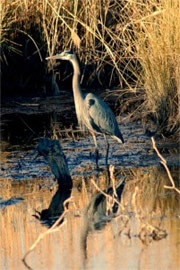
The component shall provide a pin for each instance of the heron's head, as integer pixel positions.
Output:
(66, 55)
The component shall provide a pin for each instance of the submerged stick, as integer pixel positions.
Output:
(164, 163)
(52, 152)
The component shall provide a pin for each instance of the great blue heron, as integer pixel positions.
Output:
(92, 112)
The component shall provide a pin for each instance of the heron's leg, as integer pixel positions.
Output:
(96, 150)
(107, 150)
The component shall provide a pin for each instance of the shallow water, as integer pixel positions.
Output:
(27, 184)
(136, 152)
(63, 249)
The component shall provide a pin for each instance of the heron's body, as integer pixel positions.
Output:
(92, 112)
(98, 117)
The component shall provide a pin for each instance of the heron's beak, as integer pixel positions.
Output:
(53, 57)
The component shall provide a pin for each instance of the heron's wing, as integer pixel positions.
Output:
(99, 115)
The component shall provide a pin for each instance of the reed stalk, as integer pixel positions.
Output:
(128, 45)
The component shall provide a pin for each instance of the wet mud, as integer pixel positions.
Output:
(17, 161)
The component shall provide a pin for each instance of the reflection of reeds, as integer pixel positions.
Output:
(145, 202)
(147, 191)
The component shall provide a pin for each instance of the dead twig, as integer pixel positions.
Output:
(164, 163)
(54, 228)
(111, 170)
(107, 196)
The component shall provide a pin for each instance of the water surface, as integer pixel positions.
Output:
(150, 239)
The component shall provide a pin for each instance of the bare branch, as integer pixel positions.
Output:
(164, 163)
(54, 228)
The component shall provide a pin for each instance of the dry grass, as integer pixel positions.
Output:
(157, 43)
(123, 44)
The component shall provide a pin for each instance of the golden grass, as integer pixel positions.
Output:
(157, 43)
(129, 44)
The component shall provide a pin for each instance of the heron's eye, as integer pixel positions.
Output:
(91, 102)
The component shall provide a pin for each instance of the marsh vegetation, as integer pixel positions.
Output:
(131, 47)
(130, 56)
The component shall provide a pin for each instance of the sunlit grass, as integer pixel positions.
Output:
(131, 45)
(157, 43)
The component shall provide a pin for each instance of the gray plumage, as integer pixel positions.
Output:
(92, 112)
(99, 118)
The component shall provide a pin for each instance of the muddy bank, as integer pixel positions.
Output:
(17, 161)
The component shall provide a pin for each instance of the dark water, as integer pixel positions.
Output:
(21, 133)
(19, 139)
(27, 184)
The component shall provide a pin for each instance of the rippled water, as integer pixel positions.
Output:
(27, 184)
(108, 248)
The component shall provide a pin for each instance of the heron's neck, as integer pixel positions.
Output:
(78, 96)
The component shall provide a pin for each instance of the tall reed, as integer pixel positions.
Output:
(123, 44)
(156, 27)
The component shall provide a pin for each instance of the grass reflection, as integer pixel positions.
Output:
(150, 213)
